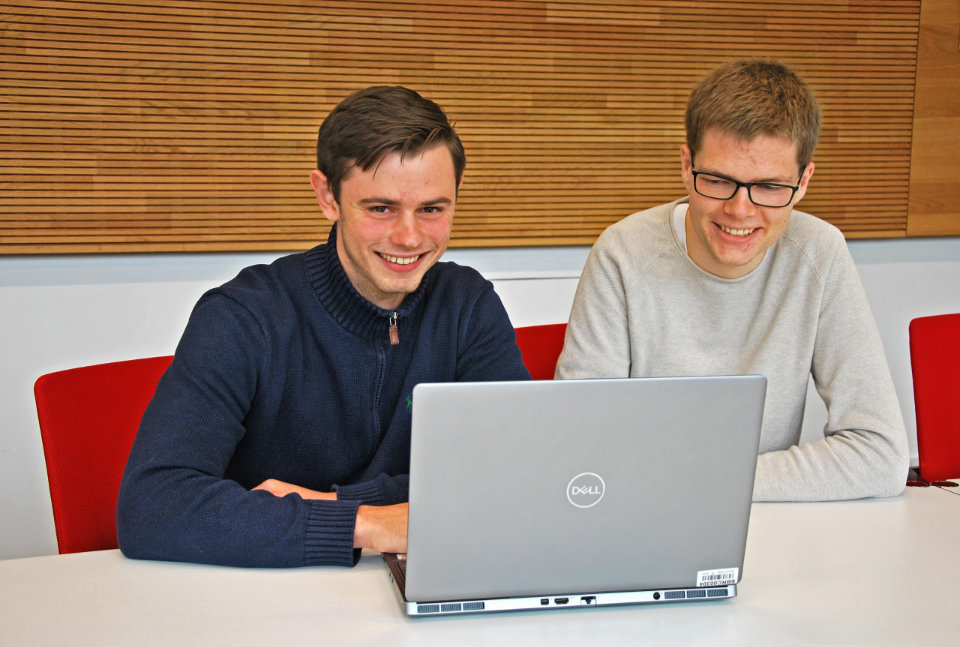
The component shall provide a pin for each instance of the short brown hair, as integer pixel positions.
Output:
(754, 97)
(372, 123)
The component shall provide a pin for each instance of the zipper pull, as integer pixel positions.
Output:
(394, 333)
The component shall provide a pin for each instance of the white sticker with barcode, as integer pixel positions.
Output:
(718, 577)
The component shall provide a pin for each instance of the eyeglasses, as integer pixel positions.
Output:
(763, 194)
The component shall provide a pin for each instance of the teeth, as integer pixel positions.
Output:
(401, 260)
(738, 232)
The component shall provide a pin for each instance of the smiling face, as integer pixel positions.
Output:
(394, 221)
(729, 238)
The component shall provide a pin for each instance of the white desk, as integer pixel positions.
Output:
(878, 572)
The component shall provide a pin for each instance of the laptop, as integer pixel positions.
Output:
(578, 493)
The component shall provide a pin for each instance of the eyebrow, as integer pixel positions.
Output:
(392, 203)
(771, 180)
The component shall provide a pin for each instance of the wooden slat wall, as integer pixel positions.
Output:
(934, 168)
(157, 125)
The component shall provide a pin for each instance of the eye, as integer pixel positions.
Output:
(379, 210)
(716, 181)
(433, 210)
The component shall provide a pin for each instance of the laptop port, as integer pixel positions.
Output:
(544, 601)
(587, 600)
(560, 600)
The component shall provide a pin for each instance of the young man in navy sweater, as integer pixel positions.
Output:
(280, 434)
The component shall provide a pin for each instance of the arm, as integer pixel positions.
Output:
(864, 451)
(176, 501)
(380, 528)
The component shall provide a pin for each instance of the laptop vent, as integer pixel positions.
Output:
(428, 608)
(694, 594)
(450, 607)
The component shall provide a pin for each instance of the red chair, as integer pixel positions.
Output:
(88, 419)
(935, 359)
(540, 347)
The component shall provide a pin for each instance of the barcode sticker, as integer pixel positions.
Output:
(718, 577)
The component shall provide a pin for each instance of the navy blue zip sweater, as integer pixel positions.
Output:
(286, 372)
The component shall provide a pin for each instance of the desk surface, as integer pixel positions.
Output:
(874, 572)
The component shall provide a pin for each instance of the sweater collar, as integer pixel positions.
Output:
(338, 296)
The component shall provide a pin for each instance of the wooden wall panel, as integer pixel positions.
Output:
(158, 125)
(935, 170)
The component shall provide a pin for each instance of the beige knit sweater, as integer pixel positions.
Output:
(643, 308)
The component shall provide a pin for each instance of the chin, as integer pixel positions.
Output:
(404, 286)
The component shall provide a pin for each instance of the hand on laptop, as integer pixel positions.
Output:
(282, 488)
(382, 528)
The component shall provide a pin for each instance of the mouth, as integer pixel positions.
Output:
(400, 260)
(740, 233)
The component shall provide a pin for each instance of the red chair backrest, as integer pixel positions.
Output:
(540, 347)
(88, 419)
(935, 358)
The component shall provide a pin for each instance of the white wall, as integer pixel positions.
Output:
(61, 312)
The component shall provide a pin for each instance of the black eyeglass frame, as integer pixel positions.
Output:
(749, 186)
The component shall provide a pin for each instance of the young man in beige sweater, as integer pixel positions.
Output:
(733, 280)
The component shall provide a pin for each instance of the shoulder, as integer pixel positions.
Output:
(452, 275)
(638, 239)
(811, 234)
(811, 241)
(264, 288)
(450, 284)
(263, 279)
(646, 225)
(459, 292)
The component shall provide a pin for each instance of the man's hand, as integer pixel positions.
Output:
(381, 528)
(281, 488)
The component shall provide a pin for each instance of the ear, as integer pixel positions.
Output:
(329, 206)
(804, 181)
(686, 166)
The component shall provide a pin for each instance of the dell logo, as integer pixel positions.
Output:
(585, 490)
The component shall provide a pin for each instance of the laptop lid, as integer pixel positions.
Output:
(609, 490)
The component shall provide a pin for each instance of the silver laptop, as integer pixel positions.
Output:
(578, 493)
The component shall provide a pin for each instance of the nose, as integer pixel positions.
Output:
(740, 205)
(406, 231)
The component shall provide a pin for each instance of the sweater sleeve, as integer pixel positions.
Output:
(175, 502)
(864, 452)
(382, 490)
